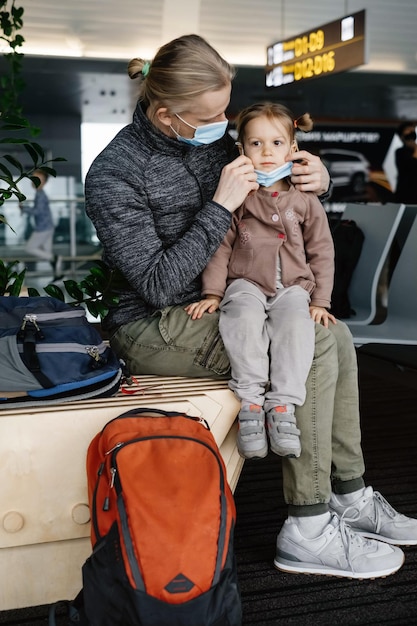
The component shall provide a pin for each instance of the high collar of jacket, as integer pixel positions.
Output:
(158, 141)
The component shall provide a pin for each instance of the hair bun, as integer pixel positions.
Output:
(135, 68)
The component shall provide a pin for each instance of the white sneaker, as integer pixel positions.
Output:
(372, 516)
(337, 551)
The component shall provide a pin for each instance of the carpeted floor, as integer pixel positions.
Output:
(270, 597)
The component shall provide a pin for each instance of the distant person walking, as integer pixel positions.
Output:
(406, 163)
(40, 241)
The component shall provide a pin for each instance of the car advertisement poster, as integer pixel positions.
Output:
(360, 159)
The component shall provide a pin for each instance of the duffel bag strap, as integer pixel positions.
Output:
(30, 358)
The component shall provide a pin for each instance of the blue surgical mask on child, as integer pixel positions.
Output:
(203, 134)
(266, 179)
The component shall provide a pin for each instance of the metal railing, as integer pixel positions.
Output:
(75, 238)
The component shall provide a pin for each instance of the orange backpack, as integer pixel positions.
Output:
(163, 517)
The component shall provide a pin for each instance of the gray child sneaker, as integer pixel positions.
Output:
(251, 437)
(284, 436)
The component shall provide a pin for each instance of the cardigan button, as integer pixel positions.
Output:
(275, 217)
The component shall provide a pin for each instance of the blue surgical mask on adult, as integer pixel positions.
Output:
(266, 179)
(203, 134)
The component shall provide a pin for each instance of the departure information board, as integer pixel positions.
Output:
(327, 49)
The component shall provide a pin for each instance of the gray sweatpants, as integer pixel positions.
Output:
(267, 339)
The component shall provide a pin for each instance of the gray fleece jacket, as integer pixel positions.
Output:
(150, 200)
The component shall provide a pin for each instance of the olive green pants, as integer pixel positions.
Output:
(170, 343)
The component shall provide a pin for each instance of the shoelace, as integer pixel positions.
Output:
(378, 499)
(389, 510)
(349, 536)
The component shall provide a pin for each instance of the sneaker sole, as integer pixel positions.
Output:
(323, 570)
(253, 456)
(289, 454)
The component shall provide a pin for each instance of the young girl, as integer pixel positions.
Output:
(272, 279)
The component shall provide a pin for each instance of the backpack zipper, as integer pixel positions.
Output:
(57, 315)
(91, 350)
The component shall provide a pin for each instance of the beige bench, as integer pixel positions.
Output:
(44, 514)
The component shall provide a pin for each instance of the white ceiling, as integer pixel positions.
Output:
(240, 29)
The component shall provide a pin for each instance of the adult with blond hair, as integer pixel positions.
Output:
(161, 196)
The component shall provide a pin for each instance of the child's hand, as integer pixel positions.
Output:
(320, 315)
(196, 309)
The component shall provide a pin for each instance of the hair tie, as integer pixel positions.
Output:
(145, 69)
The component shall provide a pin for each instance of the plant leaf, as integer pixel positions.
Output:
(14, 162)
(16, 287)
(32, 292)
(73, 290)
(93, 308)
(6, 171)
(55, 292)
(32, 152)
(48, 170)
(39, 149)
(98, 271)
(87, 288)
(13, 140)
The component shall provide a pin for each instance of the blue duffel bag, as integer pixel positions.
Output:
(50, 353)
